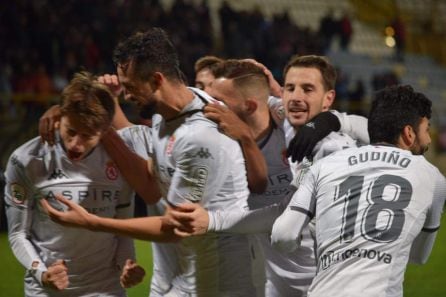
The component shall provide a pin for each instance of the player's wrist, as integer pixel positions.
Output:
(246, 137)
(211, 222)
(92, 222)
(39, 272)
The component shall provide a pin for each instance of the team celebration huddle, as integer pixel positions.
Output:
(253, 188)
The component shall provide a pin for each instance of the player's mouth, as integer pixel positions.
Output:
(74, 156)
(297, 110)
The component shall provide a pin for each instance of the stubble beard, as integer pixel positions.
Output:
(147, 111)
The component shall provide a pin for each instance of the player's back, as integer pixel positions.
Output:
(371, 203)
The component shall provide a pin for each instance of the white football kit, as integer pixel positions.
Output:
(194, 162)
(371, 204)
(288, 274)
(164, 258)
(94, 259)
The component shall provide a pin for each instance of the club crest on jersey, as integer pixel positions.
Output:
(111, 170)
(200, 176)
(170, 144)
(18, 193)
(280, 112)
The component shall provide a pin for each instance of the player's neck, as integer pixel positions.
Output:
(174, 98)
(261, 124)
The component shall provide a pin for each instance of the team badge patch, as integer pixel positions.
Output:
(199, 177)
(170, 144)
(111, 171)
(18, 193)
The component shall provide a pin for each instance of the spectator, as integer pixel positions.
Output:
(345, 31)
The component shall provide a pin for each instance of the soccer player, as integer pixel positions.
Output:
(62, 261)
(244, 86)
(193, 162)
(376, 207)
(204, 71)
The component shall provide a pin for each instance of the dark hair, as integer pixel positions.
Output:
(207, 62)
(328, 72)
(244, 74)
(392, 109)
(89, 101)
(150, 51)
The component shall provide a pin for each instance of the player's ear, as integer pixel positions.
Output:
(157, 80)
(251, 106)
(408, 135)
(328, 100)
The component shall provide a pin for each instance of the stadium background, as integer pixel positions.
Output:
(372, 44)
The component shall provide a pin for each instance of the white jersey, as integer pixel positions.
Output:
(196, 163)
(371, 204)
(36, 170)
(288, 274)
(164, 258)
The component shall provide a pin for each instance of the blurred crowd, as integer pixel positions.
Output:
(46, 41)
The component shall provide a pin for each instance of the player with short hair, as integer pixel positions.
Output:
(193, 162)
(205, 71)
(62, 261)
(376, 206)
(243, 86)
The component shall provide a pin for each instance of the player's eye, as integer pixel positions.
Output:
(71, 132)
(289, 89)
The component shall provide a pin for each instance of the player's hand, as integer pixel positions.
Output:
(74, 216)
(228, 122)
(190, 219)
(132, 274)
(48, 122)
(112, 82)
(274, 87)
(310, 134)
(56, 277)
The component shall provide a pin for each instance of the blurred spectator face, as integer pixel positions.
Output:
(76, 138)
(422, 138)
(304, 95)
(203, 79)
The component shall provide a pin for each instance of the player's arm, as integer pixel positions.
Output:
(204, 160)
(19, 193)
(146, 228)
(424, 242)
(230, 124)
(47, 124)
(288, 227)
(354, 125)
(307, 137)
(136, 170)
(195, 220)
(120, 120)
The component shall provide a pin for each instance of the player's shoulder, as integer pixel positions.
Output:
(28, 151)
(277, 110)
(332, 143)
(135, 131)
(429, 168)
(201, 133)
